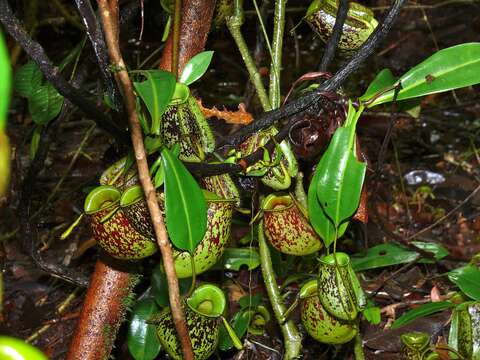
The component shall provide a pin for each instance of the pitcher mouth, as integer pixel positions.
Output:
(180, 94)
(101, 198)
(132, 195)
(207, 300)
(342, 259)
(277, 203)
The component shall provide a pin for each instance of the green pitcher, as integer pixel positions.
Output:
(319, 324)
(111, 227)
(287, 228)
(203, 312)
(338, 287)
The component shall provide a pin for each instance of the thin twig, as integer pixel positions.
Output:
(95, 34)
(65, 174)
(388, 135)
(144, 175)
(447, 215)
(337, 31)
(60, 310)
(234, 23)
(53, 74)
(332, 84)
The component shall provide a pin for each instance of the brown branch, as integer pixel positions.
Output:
(103, 311)
(195, 25)
(109, 15)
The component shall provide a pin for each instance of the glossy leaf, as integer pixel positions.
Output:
(383, 255)
(196, 67)
(44, 104)
(373, 315)
(5, 75)
(185, 205)
(339, 175)
(467, 278)
(159, 287)
(438, 251)
(421, 311)
(142, 338)
(239, 324)
(17, 349)
(156, 92)
(235, 258)
(382, 81)
(451, 68)
(27, 79)
(320, 222)
(390, 254)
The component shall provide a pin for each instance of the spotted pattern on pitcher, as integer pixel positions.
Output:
(358, 26)
(223, 186)
(118, 237)
(336, 292)
(212, 246)
(185, 124)
(139, 216)
(112, 175)
(289, 231)
(203, 331)
(323, 327)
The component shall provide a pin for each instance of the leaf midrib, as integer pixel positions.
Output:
(182, 196)
(389, 95)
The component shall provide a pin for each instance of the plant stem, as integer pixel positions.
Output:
(291, 336)
(301, 103)
(277, 46)
(234, 24)
(177, 16)
(106, 9)
(358, 348)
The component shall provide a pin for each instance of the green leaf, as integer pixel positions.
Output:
(27, 79)
(159, 286)
(340, 176)
(5, 75)
(235, 258)
(239, 323)
(373, 315)
(35, 141)
(142, 338)
(438, 251)
(44, 104)
(383, 255)
(156, 92)
(185, 205)
(196, 67)
(320, 222)
(467, 278)
(390, 254)
(152, 144)
(382, 81)
(451, 68)
(421, 311)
